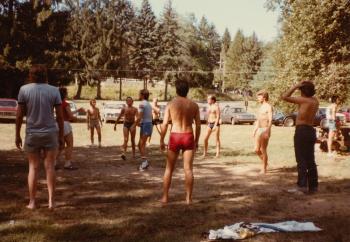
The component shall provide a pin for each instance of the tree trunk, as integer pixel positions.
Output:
(120, 88)
(80, 87)
(98, 90)
(166, 90)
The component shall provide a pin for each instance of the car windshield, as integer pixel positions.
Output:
(237, 110)
(114, 106)
(11, 104)
(322, 110)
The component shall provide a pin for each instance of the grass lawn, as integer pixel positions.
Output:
(108, 199)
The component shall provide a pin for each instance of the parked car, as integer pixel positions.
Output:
(288, 120)
(73, 108)
(161, 111)
(346, 112)
(236, 115)
(111, 111)
(8, 108)
(203, 112)
(321, 120)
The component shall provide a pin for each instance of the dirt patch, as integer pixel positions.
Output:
(108, 199)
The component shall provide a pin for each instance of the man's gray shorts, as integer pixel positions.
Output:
(34, 142)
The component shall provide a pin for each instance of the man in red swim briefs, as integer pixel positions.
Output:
(182, 112)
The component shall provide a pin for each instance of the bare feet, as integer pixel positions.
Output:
(164, 200)
(188, 201)
(31, 205)
(263, 172)
(52, 205)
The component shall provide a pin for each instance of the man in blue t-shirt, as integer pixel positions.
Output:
(37, 100)
(144, 120)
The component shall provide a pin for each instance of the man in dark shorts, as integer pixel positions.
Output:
(214, 117)
(130, 113)
(305, 135)
(37, 101)
(182, 112)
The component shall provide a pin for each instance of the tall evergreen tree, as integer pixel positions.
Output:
(226, 41)
(170, 58)
(146, 47)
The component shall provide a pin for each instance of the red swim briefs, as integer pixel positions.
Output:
(181, 141)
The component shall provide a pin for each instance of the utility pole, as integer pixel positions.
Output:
(222, 68)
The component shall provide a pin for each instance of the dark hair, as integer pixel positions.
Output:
(38, 73)
(129, 98)
(264, 94)
(145, 93)
(212, 97)
(182, 87)
(334, 99)
(63, 92)
(307, 89)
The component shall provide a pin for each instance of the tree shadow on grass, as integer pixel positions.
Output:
(107, 199)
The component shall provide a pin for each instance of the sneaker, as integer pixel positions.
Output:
(298, 190)
(123, 157)
(144, 165)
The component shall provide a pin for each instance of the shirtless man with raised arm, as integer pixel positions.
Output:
(130, 113)
(262, 130)
(213, 125)
(183, 112)
(305, 134)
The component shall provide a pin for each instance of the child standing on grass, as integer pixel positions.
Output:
(94, 121)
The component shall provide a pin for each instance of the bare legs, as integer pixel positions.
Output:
(188, 156)
(142, 146)
(98, 129)
(34, 159)
(126, 140)
(170, 164)
(331, 135)
(68, 149)
(261, 142)
(218, 142)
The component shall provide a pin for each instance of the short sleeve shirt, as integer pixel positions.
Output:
(39, 100)
(146, 109)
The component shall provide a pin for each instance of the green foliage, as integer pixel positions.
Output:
(243, 60)
(314, 44)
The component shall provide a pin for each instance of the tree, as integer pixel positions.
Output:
(226, 41)
(315, 39)
(146, 44)
(170, 58)
(100, 34)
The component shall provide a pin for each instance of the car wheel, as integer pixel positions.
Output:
(233, 121)
(288, 122)
(323, 124)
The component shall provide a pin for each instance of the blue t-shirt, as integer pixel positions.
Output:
(146, 109)
(39, 100)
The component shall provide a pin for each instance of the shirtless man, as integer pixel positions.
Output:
(262, 130)
(213, 125)
(155, 116)
(129, 113)
(94, 121)
(305, 135)
(182, 112)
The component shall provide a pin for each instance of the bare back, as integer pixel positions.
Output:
(130, 114)
(307, 111)
(183, 112)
